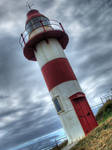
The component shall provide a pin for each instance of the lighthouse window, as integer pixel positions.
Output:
(35, 23)
(57, 104)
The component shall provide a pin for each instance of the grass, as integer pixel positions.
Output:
(101, 137)
(98, 139)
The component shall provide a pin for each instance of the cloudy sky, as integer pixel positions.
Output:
(26, 110)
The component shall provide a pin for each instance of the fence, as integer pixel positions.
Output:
(48, 143)
(103, 100)
(45, 145)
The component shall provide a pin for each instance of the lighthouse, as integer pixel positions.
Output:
(44, 41)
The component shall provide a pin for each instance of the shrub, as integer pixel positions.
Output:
(105, 111)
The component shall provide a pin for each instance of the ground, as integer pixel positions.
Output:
(101, 137)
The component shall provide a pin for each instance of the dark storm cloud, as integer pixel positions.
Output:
(25, 108)
(93, 50)
(44, 4)
(8, 113)
(21, 84)
(29, 126)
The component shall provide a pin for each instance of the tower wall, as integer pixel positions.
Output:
(48, 51)
(62, 84)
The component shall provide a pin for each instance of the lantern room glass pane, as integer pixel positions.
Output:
(34, 23)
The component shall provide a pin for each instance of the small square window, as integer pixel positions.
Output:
(58, 104)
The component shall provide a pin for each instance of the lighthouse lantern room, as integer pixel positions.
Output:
(44, 41)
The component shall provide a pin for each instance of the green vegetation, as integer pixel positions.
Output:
(104, 112)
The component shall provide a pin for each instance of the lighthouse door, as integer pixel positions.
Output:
(84, 114)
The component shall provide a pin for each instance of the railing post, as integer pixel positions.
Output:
(42, 26)
(102, 100)
(57, 147)
(61, 27)
(23, 39)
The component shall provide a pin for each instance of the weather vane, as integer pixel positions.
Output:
(29, 5)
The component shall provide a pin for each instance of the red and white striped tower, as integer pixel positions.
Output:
(46, 44)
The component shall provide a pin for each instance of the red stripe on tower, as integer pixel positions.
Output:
(57, 71)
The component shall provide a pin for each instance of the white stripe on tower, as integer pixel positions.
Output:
(61, 82)
(48, 51)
